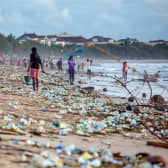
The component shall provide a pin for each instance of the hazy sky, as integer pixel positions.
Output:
(141, 19)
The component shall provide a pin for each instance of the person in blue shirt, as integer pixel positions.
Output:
(71, 70)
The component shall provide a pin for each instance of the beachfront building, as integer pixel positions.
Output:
(78, 40)
(48, 40)
(101, 40)
(53, 39)
(128, 41)
(27, 37)
(156, 42)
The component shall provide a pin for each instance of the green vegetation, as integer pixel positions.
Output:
(126, 50)
(136, 50)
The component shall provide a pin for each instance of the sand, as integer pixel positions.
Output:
(34, 108)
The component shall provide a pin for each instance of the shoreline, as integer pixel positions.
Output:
(140, 61)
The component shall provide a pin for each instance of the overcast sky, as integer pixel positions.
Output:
(141, 19)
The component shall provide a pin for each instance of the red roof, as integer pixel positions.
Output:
(52, 36)
(74, 39)
(71, 39)
(48, 36)
(41, 37)
(33, 35)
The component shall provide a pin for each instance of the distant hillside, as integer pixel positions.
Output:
(132, 51)
(125, 50)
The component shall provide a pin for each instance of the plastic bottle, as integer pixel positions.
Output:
(59, 147)
(95, 163)
(106, 155)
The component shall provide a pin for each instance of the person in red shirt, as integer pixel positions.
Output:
(124, 70)
(19, 62)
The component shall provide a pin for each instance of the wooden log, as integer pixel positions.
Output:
(157, 144)
(9, 132)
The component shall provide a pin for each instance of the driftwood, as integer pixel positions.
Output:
(124, 85)
(12, 148)
(157, 99)
(157, 144)
(154, 134)
(10, 132)
(147, 79)
(157, 160)
(153, 105)
(88, 90)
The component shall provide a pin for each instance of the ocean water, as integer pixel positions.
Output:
(108, 70)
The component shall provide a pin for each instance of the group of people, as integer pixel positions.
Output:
(18, 61)
(14, 61)
(36, 63)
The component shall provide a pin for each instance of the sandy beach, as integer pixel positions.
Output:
(84, 84)
(39, 112)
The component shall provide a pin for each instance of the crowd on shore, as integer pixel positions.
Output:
(34, 62)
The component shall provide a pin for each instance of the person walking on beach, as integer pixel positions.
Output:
(59, 64)
(11, 61)
(52, 64)
(24, 62)
(89, 68)
(124, 70)
(19, 62)
(78, 63)
(91, 62)
(34, 68)
(71, 70)
(83, 66)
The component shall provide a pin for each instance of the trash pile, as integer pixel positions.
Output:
(70, 156)
(96, 114)
(60, 109)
